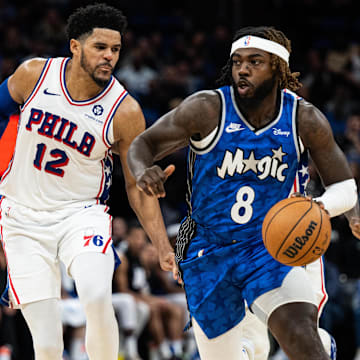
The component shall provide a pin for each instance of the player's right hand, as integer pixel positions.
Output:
(152, 180)
(355, 226)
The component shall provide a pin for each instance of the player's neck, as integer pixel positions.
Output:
(79, 84)
(260, 113)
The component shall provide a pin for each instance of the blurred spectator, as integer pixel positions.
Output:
(8, 334)
(352, 71)
(316, 79)
(51, 30)
(162, 284)
(137, 75)
(14, 45)
(339, 105)
(167, 86)
(349, 141)
(7, 67)
(172, 231)
(119, 230)
(164, 327)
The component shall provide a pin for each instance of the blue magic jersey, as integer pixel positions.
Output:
(241, 172)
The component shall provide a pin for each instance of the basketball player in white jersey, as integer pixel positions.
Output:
(73, 112)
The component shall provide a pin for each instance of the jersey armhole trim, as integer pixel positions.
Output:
(38, 84)
(297, 139)
(206, 144)
(108, 133)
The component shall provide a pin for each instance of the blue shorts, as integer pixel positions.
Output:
(218, 278)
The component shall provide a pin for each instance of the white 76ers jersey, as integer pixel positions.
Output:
(62, 155)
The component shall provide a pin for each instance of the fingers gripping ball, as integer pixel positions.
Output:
(296, 231)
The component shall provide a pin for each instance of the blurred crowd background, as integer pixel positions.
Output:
(170, 50)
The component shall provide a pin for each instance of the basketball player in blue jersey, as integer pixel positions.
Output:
(248, 144)
(73, 112)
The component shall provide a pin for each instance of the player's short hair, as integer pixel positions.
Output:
(83, 21)
(287, 79)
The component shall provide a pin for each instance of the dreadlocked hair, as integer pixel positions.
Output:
(287, 79)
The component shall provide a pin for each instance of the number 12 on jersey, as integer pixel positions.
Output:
(54, 166)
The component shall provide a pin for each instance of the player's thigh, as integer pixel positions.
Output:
(30, 245)
(213, 297)
(227, 346)
(86, 231)
(93, 273)
(295, 288)
(315, 273)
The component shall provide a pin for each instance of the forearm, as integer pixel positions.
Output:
(139, 156)
(353, 213)
(339, 198)
(148, 212)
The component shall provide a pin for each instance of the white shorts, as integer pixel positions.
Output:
(35, 241)
(299, 285)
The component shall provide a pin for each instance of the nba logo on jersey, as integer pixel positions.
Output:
(247, 40)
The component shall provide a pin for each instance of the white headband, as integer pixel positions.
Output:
(250, 41)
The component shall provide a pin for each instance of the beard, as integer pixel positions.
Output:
(260, 93)
(92, 72)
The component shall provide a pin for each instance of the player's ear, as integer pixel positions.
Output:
(75, 46)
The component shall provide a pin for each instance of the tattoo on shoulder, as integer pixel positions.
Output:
(312, 123)
(203, 110)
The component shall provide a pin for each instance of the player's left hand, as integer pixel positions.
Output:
(355, 226)
(310, 198)
(168, 263)
(297, 194)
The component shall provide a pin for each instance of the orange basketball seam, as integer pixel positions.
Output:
(313, 243)
(302, 216)
(269, 222)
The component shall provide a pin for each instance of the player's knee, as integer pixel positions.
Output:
(177, 312)
(155, 309)
(48, 351)
(296, 330)
(261, 349)
(328, 342)
(95, 295)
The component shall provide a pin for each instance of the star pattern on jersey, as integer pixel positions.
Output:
(304, 175)
(107, 177)
(250, 163)
(278, 154)
(108, 167)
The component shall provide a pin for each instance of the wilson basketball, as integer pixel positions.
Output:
(296, 231)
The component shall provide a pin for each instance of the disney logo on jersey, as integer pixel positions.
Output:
(266, 166)
(97, 110)
(280, 132)
(232, 127)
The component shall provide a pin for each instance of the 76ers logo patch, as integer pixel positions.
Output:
(90, 238)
